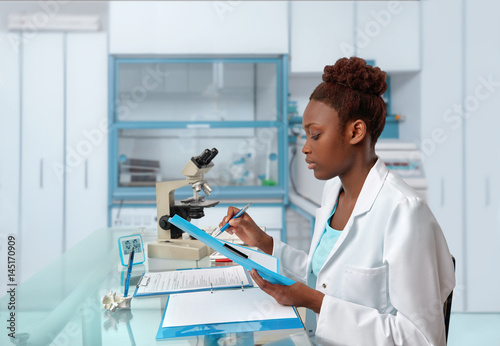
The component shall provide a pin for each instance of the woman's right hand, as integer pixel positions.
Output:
(247, 230)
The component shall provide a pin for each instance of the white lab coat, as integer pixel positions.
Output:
(389, 273)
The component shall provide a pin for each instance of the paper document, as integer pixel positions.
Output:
(193, 280)
(236, 305)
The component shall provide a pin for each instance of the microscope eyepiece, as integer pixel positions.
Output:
(213, 153)
(205, 157)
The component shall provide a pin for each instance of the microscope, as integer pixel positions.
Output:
(172, 242)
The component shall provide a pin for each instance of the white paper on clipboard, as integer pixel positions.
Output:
(222, 307)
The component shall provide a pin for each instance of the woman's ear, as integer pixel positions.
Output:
(357, 131)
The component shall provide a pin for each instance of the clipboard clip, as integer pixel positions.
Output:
(233, 250)
(145, 279)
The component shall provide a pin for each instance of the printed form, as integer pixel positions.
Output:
(194, 280)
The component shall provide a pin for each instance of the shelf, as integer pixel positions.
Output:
(167, 110)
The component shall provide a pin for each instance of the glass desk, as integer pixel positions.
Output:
(61, 304)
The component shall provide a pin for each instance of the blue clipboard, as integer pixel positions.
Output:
(227, 327)
(222, 248)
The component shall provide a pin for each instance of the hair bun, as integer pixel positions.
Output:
(356, 74)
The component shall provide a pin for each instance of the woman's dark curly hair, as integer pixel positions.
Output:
(354, 90)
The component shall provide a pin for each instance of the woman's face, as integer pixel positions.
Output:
(327, 148)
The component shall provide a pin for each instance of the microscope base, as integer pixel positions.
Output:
(178, 249)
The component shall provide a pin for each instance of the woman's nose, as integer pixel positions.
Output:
(305, 149)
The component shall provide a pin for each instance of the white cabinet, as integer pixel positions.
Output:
(460, 102)
(9, 138)
(41, 229)
(389, 33)
(441, 140)
(9, 148)
(321, 33)
(86, 135)
(53, 152)
(198, 27)
(482, 159)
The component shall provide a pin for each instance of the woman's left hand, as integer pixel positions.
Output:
(297, 294)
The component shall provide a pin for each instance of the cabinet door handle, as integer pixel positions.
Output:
(87, 173)
(41, 173)
(442, 191)
(487, 192)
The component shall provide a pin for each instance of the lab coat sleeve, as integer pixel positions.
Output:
(420, 278)
(292, 262)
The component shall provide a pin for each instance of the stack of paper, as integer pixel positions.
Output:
(225, 311)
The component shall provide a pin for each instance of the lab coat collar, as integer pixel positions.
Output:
(371, 188)
(369, 192)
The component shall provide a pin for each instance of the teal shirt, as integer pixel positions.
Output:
(325, 245)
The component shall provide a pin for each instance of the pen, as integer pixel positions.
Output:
(238, 214)
(129, 271)
(217, 260)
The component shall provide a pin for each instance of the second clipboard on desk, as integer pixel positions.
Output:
(201, 279)
(192, 280)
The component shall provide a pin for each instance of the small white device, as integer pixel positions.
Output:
(125, 245)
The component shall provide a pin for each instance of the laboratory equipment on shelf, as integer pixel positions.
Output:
(403, 158)
(171, 242)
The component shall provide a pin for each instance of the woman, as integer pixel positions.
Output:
(382, 264)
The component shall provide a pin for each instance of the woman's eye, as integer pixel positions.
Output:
(315, 137)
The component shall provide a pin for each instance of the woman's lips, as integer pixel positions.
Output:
(310, 164)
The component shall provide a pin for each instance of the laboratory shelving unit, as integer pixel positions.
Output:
(164, 110)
